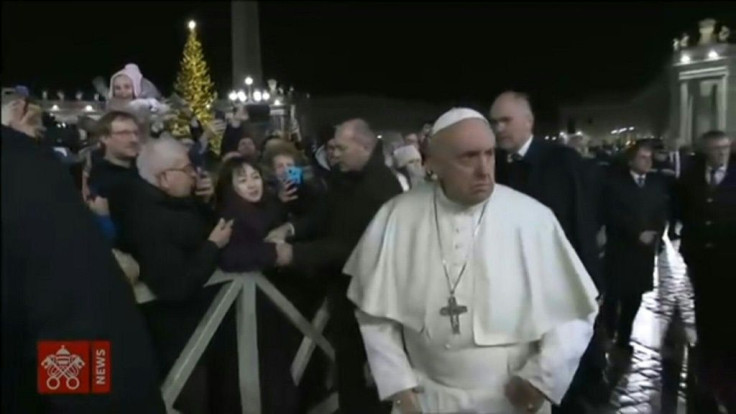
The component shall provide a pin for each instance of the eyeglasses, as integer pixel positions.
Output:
(187, 169)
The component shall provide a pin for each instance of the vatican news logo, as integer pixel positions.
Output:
(73, 367)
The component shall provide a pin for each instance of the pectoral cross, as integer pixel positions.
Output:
(453, 310)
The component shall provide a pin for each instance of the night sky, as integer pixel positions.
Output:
(458, 53)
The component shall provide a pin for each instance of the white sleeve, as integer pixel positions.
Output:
(386, 356)
(552, 369)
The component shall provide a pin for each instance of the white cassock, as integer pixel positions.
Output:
(531, 304)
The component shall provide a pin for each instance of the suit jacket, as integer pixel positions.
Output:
(629, 211)
(556, 176)
(708, 215)
(60, 281)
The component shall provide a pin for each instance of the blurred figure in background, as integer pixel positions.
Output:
(706, 206)
(636, 212)
(408, 165)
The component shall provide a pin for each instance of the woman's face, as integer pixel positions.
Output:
(248, 184)
(122, 87)
(281, 164)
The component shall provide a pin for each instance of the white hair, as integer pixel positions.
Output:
(158, 155)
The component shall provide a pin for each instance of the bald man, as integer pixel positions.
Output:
(456, 314)
(556, 176)
(321, 247)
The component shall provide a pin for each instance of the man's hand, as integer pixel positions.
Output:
(221, 233)
(647, 237)
(204, 189)
(287, 192)
(99, 205)
(284, 254)
(406, 401)
(524, 395)
(279, 234)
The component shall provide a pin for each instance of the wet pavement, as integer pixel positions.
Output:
(655, 380)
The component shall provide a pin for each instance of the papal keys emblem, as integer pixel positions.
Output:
(63, 365)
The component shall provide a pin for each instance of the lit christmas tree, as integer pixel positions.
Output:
(194, 85)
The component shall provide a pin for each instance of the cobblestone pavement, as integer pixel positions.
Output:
(654, 382)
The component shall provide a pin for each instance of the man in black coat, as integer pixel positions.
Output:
(60, 281)
(706, 206)
(170, 233)
(322, 247)
(636, 212)
(556, 176)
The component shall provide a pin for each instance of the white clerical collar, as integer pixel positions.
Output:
(525, 148)
(455, 207)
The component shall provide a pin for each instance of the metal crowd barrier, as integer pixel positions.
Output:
(240, 289)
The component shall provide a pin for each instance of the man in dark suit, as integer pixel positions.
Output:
(61, 282)
(636, 211)
(556, 176)
(323, 245)
(706, 195)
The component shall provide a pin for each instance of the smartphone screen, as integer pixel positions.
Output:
(295, 175)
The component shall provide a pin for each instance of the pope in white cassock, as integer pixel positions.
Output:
(469, 297)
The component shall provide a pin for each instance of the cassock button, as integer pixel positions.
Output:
(709, 200)
(708, 223)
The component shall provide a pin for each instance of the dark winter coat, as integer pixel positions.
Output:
(555, 175)
(629, 211)
(60, 281)
(326, 239)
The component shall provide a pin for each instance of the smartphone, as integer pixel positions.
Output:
(295, 175)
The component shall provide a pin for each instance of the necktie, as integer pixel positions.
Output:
(713, 181)
(640, 181)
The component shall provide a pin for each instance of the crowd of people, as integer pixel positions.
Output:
(546, 299)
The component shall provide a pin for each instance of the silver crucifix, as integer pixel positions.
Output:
(453, 311)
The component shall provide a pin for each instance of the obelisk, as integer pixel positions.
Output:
(246, 43)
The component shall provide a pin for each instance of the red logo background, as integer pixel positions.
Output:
(63, 367)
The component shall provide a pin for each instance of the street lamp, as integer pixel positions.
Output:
(266, 96)
(192, 25)
(257, 96)
(248, 81)
(233, 96)
(241, 96)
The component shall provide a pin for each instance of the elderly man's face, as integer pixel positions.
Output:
(179, 178)
(349, 154)
(122, 88)
(463, 159)
(717, 151)
(511, 122)
(124, 140)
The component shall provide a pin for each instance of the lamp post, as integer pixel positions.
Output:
(249, 85)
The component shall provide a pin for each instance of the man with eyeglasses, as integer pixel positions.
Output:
(176, 239)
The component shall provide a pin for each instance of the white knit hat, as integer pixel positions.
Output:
(453, 116)
(132, 71)
(406, 154)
